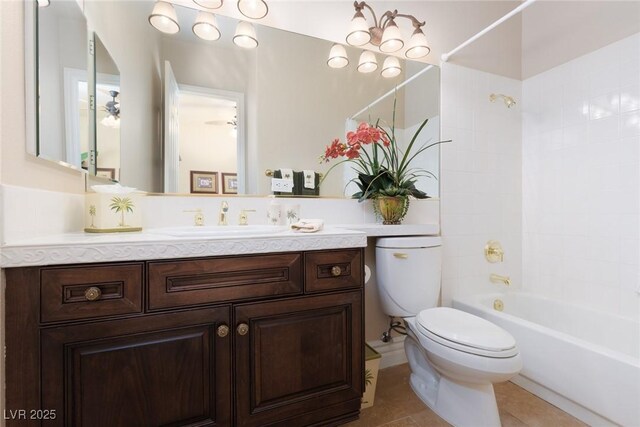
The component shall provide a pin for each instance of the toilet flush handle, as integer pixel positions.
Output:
(400, 255)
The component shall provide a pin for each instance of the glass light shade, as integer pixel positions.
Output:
(164, 18)
(254, 9)
(358, 31)
(206, 26)
(245, 36)
(368, 62)
(391, 67)
(338, 57)
(209, 4)
(391, 38)
(417, 47)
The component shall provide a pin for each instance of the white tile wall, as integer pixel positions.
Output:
(581, 181)
(481, 180)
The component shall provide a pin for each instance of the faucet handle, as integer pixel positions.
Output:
(493, 251)
(244, 218)
(198, 218)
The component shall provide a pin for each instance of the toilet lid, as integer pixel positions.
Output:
(465, 329)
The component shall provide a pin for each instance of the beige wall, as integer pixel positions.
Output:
(205, 148)
(18, 167)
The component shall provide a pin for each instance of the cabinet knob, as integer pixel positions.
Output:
(336, 271)
(243, 328)
(223, 331)
(92, 293)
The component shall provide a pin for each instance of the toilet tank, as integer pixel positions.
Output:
(408, 271)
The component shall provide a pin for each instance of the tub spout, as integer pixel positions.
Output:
(496, 278)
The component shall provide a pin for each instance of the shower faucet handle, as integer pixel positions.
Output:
(493, 251)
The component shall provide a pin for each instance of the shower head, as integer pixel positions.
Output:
(508, 101)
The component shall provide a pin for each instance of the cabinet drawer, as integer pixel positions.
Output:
(206, 281)
(333, 270)
(89, 292)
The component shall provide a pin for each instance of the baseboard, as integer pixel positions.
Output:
(392, 352)
(569, 406)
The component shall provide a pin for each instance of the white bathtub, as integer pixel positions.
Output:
(583, 361)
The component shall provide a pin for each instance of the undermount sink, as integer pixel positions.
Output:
(220, 231)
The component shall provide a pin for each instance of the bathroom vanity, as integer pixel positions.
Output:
(257, 339)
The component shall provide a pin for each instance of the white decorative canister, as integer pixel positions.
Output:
(113, 209)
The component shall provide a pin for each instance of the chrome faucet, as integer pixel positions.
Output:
(496, 278)
(224, 208)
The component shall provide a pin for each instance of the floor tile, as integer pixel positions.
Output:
(396, 405)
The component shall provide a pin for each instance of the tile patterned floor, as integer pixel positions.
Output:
(397, 406)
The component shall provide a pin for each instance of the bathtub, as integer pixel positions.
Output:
(583, 361)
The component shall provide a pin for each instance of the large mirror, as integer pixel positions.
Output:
(210, 112)
(62, 84)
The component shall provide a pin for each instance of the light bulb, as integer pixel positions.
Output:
(245, 36)
(254, 9)
(417, 47)
(338, 57)
(368, 62)
(391, 67)
(209, 4)
(391, 38)
(164, 18)
(206, 26)
(358, 31)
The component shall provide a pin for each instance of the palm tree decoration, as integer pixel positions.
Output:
(122, 205)
(92, 214)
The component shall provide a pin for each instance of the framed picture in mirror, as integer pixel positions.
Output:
(229, 183)
(109, 173)
(204, 182)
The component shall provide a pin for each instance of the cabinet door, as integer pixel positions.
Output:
(172, 369)
(300, 361)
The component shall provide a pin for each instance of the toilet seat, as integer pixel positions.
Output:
(465, 332)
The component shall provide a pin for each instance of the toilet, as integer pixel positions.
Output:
(455, 357)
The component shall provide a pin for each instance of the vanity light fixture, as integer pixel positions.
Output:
(391, 67)
(338, 56)
(368, 62)
(209, 4)
(385, 34)
(206, 26)
(164, 18)
(245, 36)
(254, 9)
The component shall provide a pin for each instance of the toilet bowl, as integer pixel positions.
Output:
(455, 357)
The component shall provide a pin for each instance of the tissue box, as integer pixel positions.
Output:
(112, 213)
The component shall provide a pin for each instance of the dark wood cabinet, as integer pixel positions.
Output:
(159, 370)
(297, 358)
(227, 341)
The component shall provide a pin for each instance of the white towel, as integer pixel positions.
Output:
(308, 225)
(287, 174)
(309, 179)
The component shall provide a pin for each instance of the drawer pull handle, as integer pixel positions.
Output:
(243, 328)
(336, 271)
(92, 293)
(400, 255)
(223, 331)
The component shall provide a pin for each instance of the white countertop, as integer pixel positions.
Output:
(72, 248)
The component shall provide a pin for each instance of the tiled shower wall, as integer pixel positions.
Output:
(581, 182)
(480, 180)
